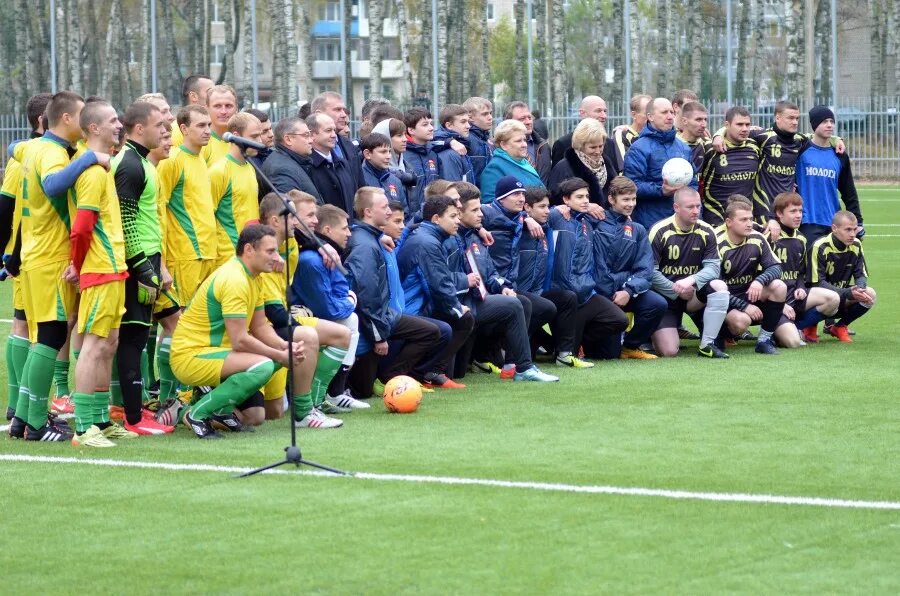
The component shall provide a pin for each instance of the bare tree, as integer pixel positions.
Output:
(305, 60)
(405, 63)
(171, 61)
(225, 13)
(743, 52)
(878, 46)
(558, 33)
(519, 85)
(793, 24)
(442, 51)
(662, 49)
(348, 64)
(757, 62)
(279, 40)
(247, 82)
(376, 38)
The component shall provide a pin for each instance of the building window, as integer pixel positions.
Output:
(330, 11)
(218, 54)
(361, 46)
(387, 91)
(216, 15)
(490, 11)
(327, 49)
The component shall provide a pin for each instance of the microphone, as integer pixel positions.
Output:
(243, 143)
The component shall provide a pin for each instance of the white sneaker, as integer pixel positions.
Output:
(343, 403)
(316, 419)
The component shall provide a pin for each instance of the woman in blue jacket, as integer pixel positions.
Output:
(510, 158)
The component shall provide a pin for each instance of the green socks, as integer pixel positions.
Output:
(167, 382)
(41, 365)
(329, 363)
(303, 405)
(24, 401)
(84, 411)
(233, 390)
(61, 377)
(17, 349)
(101, 407)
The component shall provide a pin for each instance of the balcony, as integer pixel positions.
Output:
(330, 69)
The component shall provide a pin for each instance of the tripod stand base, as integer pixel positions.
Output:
(292, 456)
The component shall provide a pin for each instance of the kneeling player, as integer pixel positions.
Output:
(223, 339)
(838, 264)
(752, 272)
(805, 307)
(687, 267)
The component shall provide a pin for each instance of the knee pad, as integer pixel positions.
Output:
(53, 334)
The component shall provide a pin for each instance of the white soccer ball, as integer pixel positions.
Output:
(678, 172)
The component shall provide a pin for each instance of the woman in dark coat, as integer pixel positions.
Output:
(585, 160)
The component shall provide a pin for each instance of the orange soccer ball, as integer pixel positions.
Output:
(402, 395)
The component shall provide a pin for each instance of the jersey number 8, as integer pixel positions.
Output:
(723, 161)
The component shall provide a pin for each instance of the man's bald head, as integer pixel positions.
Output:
(687, 207)
(593, 106)
(660, 114)
(685, 194)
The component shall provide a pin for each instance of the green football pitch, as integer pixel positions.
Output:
(756, 474)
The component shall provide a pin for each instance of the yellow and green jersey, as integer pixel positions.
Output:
(177, 137)
(46, 220)
(235, 194)
(215, 150)
(12, 188)
(230, 292)
(190, 223)
(272, 285)
(95, 190)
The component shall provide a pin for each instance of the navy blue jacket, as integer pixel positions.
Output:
(623, 259)
(535, 261)
(422, 161)
(324, 291)
(643, 165)
(571, 166)
(387, 181)
(468, 240)
(480, 149)
(368, 277)
(451, 165)
(430, 286)
(573, 260)
(353, 156)
(287, 171)
(507, 229)
(334, 180)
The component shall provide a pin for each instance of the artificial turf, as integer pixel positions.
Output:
(821, 421)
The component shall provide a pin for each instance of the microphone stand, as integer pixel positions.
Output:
(292, 454)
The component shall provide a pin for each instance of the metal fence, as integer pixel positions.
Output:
(870, 127)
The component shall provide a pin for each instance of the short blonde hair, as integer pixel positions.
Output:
(221, 89)
(238, 123)
(588, 131)
(506, 130)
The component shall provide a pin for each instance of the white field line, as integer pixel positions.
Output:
(450, 480)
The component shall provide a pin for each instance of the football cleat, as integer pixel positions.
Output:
(62, 405)
(115, 431)
(16, 428)
(572, 361)
(766, 347)
(339, 404)
(747, 336)
(839, 331)
(316, 419)
(170, 412)
(117, 413)
(202, 428)
(486, 367)
(535, 374)
(48, 433)
(148, 425)
(10, 412)
(811, 334)
(686, 334)
(712, 351)
(441, 381)
(229, 423)
(636, 354)
(378, 388)
(92, 437)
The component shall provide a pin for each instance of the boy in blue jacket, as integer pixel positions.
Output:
(430, 287)
(376, 168)
(598, 322)
(419, 157)
(454, 126)
(388, 337)
(623, 269)
(327, 294)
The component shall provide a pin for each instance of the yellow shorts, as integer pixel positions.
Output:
(101, 308)
(188, 276)
(18, 296)
(48, 297)
(274, 389)
(199, 366)
(166, 300)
